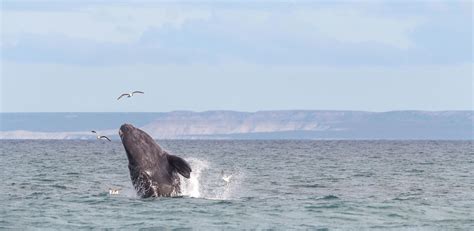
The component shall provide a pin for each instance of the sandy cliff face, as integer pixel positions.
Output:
(180, 124)
(265, 125)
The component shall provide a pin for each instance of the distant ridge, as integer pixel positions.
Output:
(285, 124)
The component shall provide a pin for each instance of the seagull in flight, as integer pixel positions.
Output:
(99, 137)
(226, 178)
(130, 94)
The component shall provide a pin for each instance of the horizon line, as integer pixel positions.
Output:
(277, 110)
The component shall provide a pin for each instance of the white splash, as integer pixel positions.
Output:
(207, 181)
(192, 187)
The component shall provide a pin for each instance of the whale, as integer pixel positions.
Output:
(153, 171)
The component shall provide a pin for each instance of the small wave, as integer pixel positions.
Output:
(364, 174)
(35, 195)
(248, 198)
(72, 173)
(59, 186)
(308, 186)
(322, 206)
(380, 206)
(403, 198)
(102, 194)
(313, 227)
(330, 197)
(224, 202)
(395, 215)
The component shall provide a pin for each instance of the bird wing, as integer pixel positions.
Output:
(122, 95)
(93, 131)
(105, 137)
(141, 92)
(227, 178)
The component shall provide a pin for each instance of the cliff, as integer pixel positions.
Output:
(245, 125)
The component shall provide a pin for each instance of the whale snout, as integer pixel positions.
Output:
(125, 129)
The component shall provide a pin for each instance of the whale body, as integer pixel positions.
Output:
(153, 171)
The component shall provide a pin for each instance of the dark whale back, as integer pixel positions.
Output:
(153, 171)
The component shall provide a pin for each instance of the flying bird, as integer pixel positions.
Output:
(130, 94)
(103, 137)
(226, 178)
(99, 137)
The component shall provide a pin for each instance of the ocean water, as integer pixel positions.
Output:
(326, 185)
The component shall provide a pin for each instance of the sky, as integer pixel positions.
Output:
(79, 56)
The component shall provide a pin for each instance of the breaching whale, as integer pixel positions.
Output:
(153, 171)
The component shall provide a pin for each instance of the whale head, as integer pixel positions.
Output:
(140, 147)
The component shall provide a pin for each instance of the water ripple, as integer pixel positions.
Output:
(325, 185)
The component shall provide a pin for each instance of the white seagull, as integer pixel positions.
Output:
(99, 137)
(114, 191)
(130, 94)
(226, 178)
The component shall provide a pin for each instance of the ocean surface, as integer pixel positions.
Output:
(326, 185)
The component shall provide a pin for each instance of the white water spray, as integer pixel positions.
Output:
(206, 181)
(192, 186)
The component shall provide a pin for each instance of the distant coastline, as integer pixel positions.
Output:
(285, 124)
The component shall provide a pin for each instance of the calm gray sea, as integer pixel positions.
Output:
(421, 185)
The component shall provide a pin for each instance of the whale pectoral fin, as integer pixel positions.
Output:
(180, 165)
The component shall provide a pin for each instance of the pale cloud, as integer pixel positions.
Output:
(283, 34)
(114, 24)
(126, 23)
(360, 56)
(357, 26)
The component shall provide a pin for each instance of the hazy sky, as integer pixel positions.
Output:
(60, 56)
